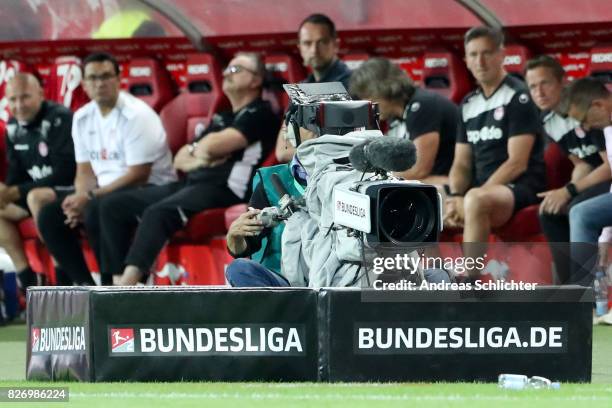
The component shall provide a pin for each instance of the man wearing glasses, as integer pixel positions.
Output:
(218, 168)
(586, 149)
(318, 44)
(119, 143)
(590, 102)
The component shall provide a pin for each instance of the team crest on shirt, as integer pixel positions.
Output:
(579, 132)
(415, 107)
(523, 98)
(57, 122)
(498, 114)
(43, 149)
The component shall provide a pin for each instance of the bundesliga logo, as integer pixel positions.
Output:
(35, 339)
(122, 340)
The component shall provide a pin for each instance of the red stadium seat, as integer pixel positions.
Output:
(601, 64)
(234, 212)
(355, 59)
(192, 109)
(558, 166)
(147, 79)
(37, 254)
(2, 151)
(286, 69)
(413, 66)
(197, 254)
(446, 74)
(64, 83)
(8, 68)
(525, 224)
(516, 58)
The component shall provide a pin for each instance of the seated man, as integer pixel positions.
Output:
(119, 143)
(498, 166)
(586, 150)
(318, 45)
(218, 165)
(426, 118)
(590, 103)
(40, 153)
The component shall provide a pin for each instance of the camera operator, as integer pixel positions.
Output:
(248, 237)
(426, 118)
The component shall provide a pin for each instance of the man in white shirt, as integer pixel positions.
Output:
(119, 143)
(590, 102)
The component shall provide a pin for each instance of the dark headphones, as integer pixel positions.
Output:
(293, 127)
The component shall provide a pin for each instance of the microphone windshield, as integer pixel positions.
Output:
(391, 153)
(357, 157)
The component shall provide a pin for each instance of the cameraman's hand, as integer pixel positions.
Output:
(247, 225)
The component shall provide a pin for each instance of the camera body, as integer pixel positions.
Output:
(384, 209)
(326, 108)
(390, 211)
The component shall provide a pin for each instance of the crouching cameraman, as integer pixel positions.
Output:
(248, 236)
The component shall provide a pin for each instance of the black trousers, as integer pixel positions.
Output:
(556, 228)
(64, 242)
(157, 213)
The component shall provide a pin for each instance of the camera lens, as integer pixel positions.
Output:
(406, 215)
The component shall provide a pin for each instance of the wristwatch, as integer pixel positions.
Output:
(571, 189)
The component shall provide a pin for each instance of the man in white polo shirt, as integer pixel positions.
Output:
(119, 143)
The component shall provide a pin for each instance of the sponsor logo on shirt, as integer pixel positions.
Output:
(584, 151)
(37, 173)
(104, 155)
(484, 134)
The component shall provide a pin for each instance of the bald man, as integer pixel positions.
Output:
(40, 154)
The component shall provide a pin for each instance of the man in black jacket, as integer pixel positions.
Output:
(318, 44)
(40, 153)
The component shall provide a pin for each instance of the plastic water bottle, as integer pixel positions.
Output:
(600, 287)
(537, 383)
(521, 382)
(512, 381)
